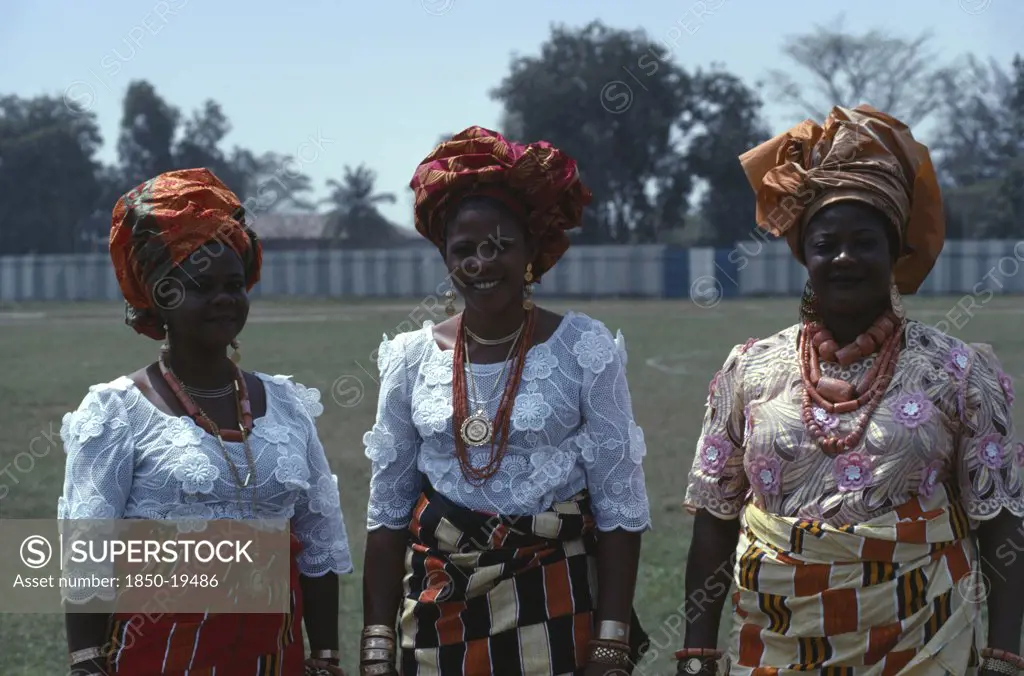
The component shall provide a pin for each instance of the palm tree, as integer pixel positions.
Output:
(354, 216)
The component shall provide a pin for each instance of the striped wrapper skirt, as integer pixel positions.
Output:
(898, 595)
(207, 644)
(487, 594)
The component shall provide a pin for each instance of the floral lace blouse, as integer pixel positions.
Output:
(945, 419)
(127, 459)
(572, 427)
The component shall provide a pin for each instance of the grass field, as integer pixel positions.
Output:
(51, 354)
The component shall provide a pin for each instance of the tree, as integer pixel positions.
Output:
(893, 74)
(354, 217)
(56, 197)
(980, 154)
(611, 100)
(728, 114)
(149, 126)
(199, 145)
(271, 182)
(48, 174)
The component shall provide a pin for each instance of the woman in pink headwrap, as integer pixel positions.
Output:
(507, 495)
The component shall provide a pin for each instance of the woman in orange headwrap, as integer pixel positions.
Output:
(858, 463)
(507, 477)
(192, 437)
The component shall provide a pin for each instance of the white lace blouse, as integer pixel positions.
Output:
(572, 427)
(126, 459)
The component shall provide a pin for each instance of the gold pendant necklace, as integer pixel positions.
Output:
(478, 429)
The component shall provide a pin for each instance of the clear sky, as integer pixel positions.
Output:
(380, 81)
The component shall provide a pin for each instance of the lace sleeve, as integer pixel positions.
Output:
(318, 521)
(717, 479)
(98, 475)
(392, 444)
(988, 461)
(612, 443)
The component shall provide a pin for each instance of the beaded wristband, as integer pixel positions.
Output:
(1003, 656)
(1000, 666)
(698, 652)
(600, 654)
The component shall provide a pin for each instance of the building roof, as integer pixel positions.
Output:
(290, 225)
(301, 225)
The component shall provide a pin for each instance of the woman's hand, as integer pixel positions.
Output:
(598, 669)
(321, 667)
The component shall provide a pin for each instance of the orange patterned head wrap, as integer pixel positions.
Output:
(858, 154)
(160, 223)
(537, 181)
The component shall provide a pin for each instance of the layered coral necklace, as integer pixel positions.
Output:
(837, 396)
(477, 429)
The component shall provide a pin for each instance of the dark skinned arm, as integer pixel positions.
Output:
(618, 557)
(320, 607)
(713, 545)
(383, 572)
(708, 572)
(1004, 570)
(88, 630)
(989, 412)
(605, 398)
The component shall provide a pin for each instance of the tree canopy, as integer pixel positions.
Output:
(656, 140)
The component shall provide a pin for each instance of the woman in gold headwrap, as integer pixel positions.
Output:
(859, 463)
(191, 438)
(507, 494)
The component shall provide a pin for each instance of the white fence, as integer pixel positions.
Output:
(753, 267)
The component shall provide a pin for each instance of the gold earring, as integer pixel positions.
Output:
(809, 304)
(236, 354)
(449, 301)
(896, 301)
(528, 289)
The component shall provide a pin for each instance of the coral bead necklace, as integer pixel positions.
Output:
(837, 396)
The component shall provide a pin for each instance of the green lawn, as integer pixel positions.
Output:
(51, 354)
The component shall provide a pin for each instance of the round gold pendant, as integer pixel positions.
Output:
(476, 430)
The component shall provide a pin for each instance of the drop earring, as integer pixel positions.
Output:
(236, 354)
(528, 289)
(449, 301)
(896, 300)
(809, 304)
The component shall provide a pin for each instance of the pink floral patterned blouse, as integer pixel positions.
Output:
(945, 419)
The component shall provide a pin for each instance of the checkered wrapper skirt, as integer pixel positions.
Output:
(898, 595)
(491, 594)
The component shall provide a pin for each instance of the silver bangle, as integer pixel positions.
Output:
(85, 654)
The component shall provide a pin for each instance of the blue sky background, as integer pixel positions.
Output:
(380, 81)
